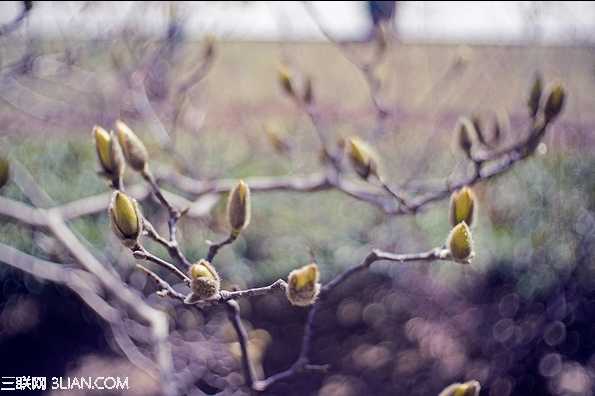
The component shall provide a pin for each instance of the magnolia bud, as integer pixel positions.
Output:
(133, 148)
(308, 91)
(476, 122)
(109, 153)
(238, 208)
(460, 244)
(465, 131)
(4, 171)
(535, 96)
(362, 158)
(279, 144)
(462, 207)
(209, 46)
(204, 280)
(126, 218)
(285, 80)
(554, 103)
(470, 388)
(302, 285)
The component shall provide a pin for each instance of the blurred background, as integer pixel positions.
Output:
(197, 81)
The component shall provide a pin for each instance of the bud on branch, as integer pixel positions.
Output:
(460, 244)
(463, 207)
(4, 171)
(126, 218)
(238, 208)
(133, 148)
(204, 280)
(303, 286)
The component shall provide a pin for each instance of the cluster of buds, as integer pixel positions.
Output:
(553, 104)
(4, 171)
(238, 208)
(114, 149)
(362, 157)
(126, 219)
(303, 285)
(204, 280)
(462, 214)
(470, 388)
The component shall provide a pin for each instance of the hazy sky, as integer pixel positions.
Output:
(498, 21)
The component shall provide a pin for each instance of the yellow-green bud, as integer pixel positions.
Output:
(238, 208)
(102, 145)
(362, 158)
(554, 103)
(303, 286)
(4, 171)
(463, 207)
(470, 388)
(204, 280)
(535, 96)
(285, 80)
(460, 244)
(126, 218)
(109, 153)
(133, 148)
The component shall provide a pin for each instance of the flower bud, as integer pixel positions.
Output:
(4, 171)
(362, 158)
(280, 145)
(303, 286)
(470, 388)
(126, 218)
(308, 91)
(238, 208)
(204, 280)
(133, 148)
(285, 80)
(535, 96)
(554, 103)
(476, 122)
(460, 244)
(109, 153)
(463, 207)
(465, 132)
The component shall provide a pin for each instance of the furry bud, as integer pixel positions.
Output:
(4, 171)
(554, 103)
(535, 96)
(362, 158)
(133, 148)
(204, 280)
(470, 388)
(303, 286)
(285, 80)
(238, 208)
(463, 207)
(126, 218)
(460, 244)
